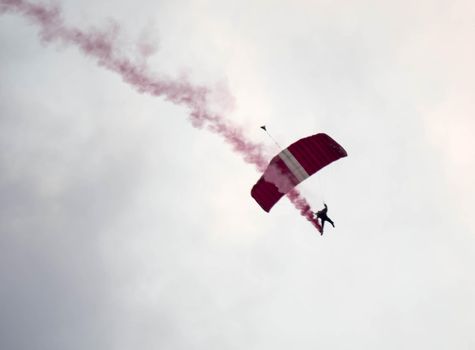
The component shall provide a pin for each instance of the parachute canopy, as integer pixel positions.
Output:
(293, 165)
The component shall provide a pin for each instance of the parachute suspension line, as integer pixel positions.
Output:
(265, 129)
(321, 189)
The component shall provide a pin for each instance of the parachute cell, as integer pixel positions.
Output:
(293, 165)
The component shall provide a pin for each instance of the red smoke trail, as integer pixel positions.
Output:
(102, 46)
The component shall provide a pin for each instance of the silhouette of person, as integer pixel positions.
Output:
(322, 215)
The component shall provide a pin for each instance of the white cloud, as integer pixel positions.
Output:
(124, 227)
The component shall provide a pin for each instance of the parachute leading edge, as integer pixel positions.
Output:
(294, 164)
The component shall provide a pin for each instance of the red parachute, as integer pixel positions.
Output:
(293, 165)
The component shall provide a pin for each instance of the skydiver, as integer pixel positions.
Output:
(322, 215)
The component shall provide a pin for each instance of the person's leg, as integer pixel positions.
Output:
(331, 222)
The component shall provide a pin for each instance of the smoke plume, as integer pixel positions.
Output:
(103, 47)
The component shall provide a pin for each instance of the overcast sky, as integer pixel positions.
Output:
(123, 227)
